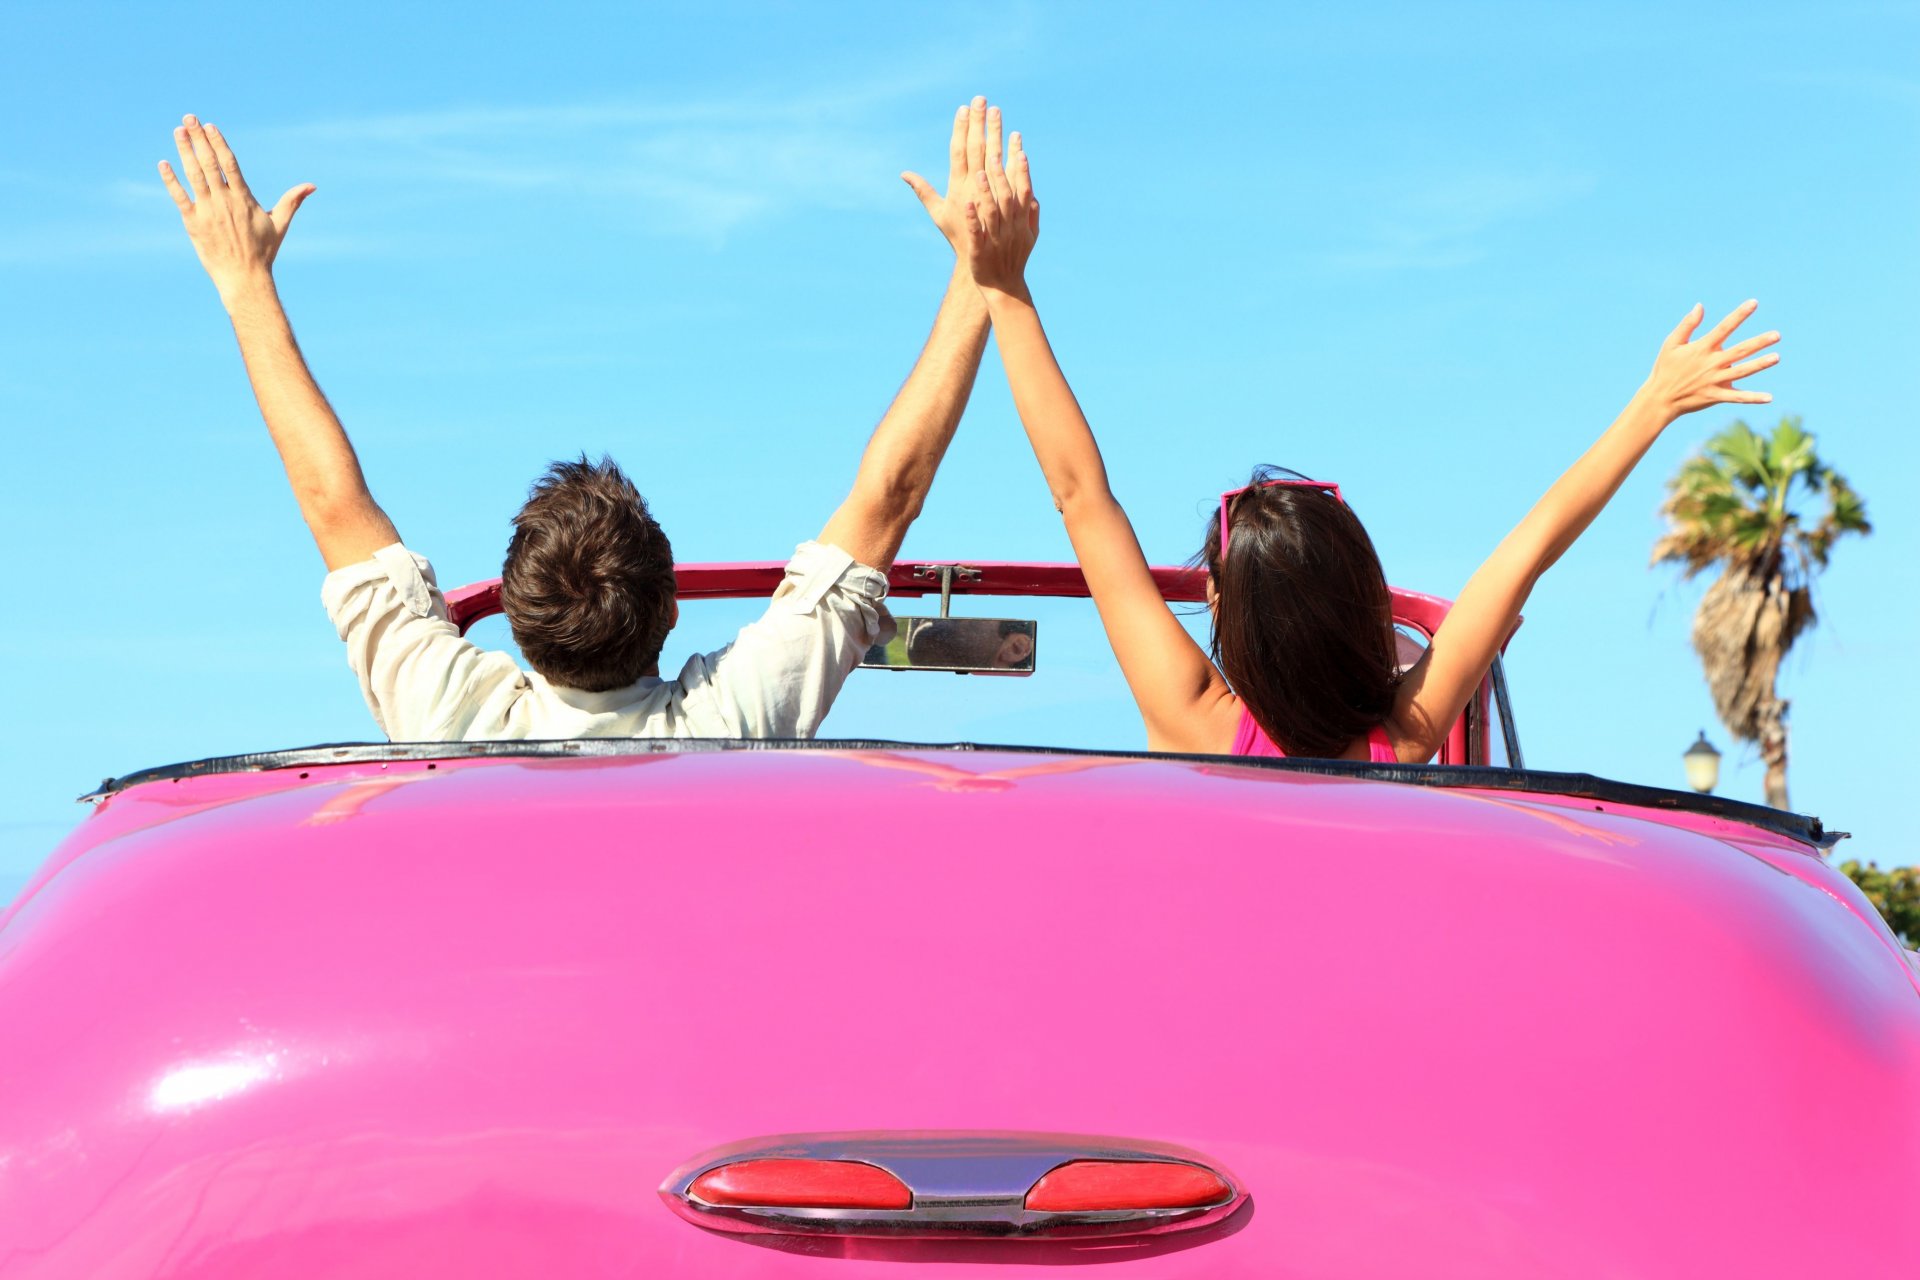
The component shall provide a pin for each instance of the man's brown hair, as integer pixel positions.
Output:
(588, 583)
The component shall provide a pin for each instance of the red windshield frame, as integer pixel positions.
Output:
(1179, 584)
(747, 580)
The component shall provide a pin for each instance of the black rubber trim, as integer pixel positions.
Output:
(1580, 786)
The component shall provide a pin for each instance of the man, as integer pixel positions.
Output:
(588, 582)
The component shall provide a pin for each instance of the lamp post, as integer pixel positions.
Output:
(1703, 764)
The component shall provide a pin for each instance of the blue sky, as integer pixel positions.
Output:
(1425, 250)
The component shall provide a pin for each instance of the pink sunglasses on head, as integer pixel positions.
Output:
(1226, 499)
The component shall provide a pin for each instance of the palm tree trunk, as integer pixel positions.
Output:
(1772, 717)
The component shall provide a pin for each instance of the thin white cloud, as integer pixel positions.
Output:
(690, 169)
(701, 169)
(65, 243)
(104, 240)
(1448, 222)
(459, 123)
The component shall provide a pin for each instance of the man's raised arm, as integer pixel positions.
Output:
(898, 467)
(236, 240)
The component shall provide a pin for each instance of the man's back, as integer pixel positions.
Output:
(424, 681)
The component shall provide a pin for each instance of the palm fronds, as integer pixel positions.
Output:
(1764, 512)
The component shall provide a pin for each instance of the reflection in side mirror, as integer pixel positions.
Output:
(972, 646)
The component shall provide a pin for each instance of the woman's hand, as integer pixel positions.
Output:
(235, 238)
(1003, 218)
(1690, 375)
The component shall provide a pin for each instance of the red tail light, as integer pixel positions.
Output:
(1093, 1185)
(802, 1184)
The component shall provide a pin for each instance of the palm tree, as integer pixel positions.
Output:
(1732, 507)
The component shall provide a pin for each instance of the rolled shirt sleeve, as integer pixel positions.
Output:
(421, 678)
(781, 674)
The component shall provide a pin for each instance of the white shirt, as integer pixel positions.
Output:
(425, 682)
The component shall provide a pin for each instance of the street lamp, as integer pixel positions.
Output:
(1703, 764)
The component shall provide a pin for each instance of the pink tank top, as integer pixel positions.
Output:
(1251, 740)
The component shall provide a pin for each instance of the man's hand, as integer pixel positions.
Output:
(974, 150)
(1003, 218)
(1692, 375)
(235, 238)
(966, 155)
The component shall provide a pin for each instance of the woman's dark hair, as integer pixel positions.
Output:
(1303, 620)
(588, 585)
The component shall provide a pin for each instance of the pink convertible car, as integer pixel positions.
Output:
(842, 1009)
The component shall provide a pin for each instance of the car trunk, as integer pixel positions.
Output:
(463, 1019)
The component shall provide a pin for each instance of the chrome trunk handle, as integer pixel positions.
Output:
(951, 1183)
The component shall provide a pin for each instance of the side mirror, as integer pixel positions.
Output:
(966, 646)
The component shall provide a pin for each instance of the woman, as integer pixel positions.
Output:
(1303, 659)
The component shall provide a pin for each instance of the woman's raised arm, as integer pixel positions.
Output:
(1687, 375)
(1185, 702)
